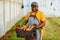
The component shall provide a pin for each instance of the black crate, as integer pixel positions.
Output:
(25, 34)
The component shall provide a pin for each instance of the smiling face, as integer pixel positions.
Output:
(34, 8)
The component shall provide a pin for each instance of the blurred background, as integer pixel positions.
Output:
(12, 12)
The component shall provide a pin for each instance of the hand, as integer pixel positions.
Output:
(29, 28)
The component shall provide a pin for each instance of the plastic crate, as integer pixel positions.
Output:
(25, 34)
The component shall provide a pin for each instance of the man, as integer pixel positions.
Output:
(35, 18)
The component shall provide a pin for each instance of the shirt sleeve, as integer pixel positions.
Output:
(27, 16)
(43, 17)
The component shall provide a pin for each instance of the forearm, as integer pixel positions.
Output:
(42, 24)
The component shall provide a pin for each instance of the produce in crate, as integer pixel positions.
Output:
(21, 28)
(24, 27)
(24, 31)
(29, 28)
(18, 27)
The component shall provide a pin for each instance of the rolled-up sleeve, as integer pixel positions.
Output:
(43, 18)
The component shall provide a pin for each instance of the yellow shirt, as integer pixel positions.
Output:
(40, 15)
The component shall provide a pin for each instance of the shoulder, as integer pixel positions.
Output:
(40, 12)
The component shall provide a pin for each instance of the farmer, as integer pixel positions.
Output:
(35, 18)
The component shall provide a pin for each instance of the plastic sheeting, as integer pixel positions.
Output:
(10, 13)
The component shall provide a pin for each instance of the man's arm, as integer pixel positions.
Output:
(26, 19)
(25, 22)
(42, 20)
(42, 24)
